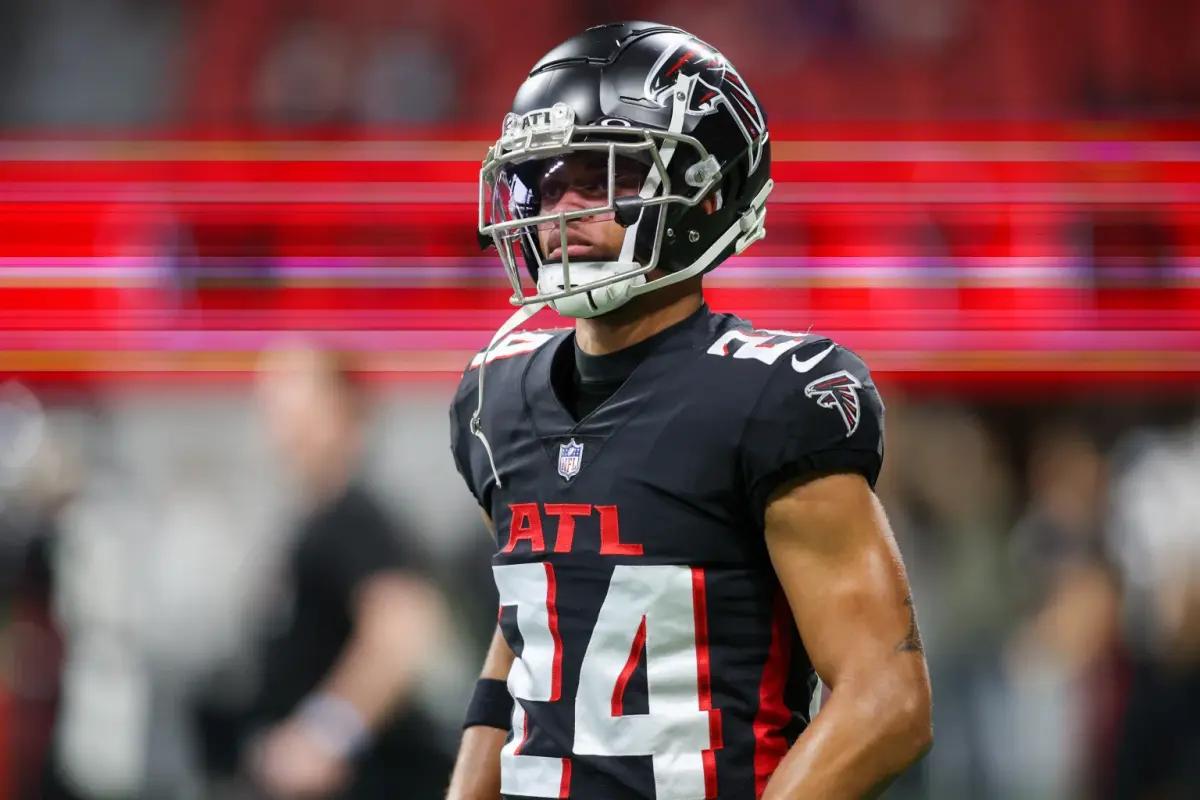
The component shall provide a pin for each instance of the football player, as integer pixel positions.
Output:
(687, 535)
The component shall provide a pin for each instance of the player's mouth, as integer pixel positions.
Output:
(574, 251)
(577, 247)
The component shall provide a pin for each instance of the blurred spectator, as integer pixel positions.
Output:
(335, 712)
(1061, 667)
(1157, 540)
(32, 492)
(1063, 523)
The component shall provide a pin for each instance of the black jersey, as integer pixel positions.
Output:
(656, 655)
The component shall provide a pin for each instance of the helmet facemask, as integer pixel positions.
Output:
(510, 205)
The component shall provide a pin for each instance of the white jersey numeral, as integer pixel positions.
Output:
(655, 610)
(535, 675)
(513, 345)
(655, 613)
(754, 344)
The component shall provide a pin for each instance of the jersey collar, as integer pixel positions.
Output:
(545, 409)
(616, 367)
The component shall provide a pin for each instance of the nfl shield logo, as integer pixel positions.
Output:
(570, 458)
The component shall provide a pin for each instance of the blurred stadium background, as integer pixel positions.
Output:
(995, 202)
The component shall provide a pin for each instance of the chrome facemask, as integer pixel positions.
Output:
(506, 215)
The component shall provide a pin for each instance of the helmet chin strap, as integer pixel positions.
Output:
(593, 303)
(745, 231)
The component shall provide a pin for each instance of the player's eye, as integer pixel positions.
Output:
(629, 174)
(593, 184)
(552, 188)
(587, 176)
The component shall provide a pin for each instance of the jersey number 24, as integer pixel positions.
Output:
(656, 610)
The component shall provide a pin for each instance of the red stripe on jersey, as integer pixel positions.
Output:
(710, 774)
(770, 745)
(635, 655)
(552, 611)
(704, 681)
(564, 787)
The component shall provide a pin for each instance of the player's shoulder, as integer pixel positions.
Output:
(807, 405)
(507, 360)
(502, 368)
(797, 380)
(764, 356)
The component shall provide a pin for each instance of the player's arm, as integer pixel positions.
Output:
(396, 615)
(310, 752)
(477, 768)
(839, 566)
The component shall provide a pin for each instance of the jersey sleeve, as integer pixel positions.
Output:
(828, 418)
(460, 431)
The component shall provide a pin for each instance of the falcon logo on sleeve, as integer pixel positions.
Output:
(838, 391)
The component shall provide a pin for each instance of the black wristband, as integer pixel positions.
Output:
(490, 705)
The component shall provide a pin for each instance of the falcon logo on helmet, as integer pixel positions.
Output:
(838, 391)
(718, 82)
(689, 58)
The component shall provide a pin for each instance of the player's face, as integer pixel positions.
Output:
(304, 414)
(578, 181)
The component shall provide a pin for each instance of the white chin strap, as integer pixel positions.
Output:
(595, 302)
(745, 231)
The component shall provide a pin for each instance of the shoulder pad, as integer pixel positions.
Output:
(505, 360)
(817, 410)
(515, 344)
(764, 346)
(505, 365)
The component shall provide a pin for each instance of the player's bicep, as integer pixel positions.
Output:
(839, 566)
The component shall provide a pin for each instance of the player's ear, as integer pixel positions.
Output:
(709, 203)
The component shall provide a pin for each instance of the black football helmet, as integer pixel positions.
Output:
(628, 93)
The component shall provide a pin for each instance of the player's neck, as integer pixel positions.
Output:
(638, 320)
